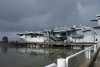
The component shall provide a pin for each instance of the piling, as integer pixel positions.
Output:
(61, 62)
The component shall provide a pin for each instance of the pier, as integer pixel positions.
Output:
(73, 45)
(91, 54)
(97, 62)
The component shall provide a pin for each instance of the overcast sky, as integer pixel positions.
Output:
(32, 15)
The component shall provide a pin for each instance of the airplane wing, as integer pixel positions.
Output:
(94, 20)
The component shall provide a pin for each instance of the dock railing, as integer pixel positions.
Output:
(61, 62)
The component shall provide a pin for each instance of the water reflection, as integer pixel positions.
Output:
(32, 57)
(51, 54)
(47, 51)
(77, 60)
(4, 49)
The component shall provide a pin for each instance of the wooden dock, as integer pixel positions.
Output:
(72, 45)
(59, 43)
(94, 61)
(97, 62)
(91, 54)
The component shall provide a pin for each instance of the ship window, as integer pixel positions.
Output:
(63, 33)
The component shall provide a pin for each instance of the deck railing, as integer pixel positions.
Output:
(61, 62)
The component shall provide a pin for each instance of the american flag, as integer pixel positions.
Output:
(94, 34)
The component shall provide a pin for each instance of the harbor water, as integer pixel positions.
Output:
(33, 57)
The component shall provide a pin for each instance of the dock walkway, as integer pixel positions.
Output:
(97, 63)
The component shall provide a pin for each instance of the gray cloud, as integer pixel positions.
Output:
(87, 10)
(32, 15)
